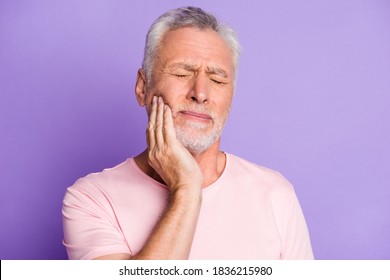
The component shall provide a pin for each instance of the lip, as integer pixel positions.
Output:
(196, 115)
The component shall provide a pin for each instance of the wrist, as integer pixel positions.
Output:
(187, 195)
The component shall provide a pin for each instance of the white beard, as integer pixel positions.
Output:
(194, 137)
(194, 141)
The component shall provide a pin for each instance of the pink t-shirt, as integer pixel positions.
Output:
(250, 212)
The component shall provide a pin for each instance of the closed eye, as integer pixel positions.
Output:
(218, 82)
(180, 76)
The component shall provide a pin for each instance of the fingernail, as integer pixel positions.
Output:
(154, 99)
(159, 100)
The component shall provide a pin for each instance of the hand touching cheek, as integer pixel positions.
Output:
(174, 163)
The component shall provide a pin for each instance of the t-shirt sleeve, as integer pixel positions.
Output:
(294, 232)
(90, 225)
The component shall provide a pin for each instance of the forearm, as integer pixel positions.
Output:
(173, 234)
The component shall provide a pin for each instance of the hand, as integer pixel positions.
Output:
(171, 160)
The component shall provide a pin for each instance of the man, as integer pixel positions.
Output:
(183, 198)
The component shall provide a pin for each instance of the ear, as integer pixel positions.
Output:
(140, 88)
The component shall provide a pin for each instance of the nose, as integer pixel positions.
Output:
(199, 91)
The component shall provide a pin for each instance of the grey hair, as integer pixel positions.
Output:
(186, 17)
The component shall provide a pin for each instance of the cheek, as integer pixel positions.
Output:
(171, 92)
(157, 89)
(225, 104)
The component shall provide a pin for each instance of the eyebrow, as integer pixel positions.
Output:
(217, 70)
(192, 67)
(183, 65)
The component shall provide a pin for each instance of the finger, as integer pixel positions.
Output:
(159, 123)
(169, 130)
(150, 133)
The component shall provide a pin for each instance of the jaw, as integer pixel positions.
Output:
(197, 139)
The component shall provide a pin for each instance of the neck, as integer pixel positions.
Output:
(211, 162)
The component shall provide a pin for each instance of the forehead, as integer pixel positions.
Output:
(196, 47)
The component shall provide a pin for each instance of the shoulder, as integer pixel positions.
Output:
(99, 183)
(243, 167)
(120, 184)
(260, 177)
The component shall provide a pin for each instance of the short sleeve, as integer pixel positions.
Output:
(90, 226)
(294, 232)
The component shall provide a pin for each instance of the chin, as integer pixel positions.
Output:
(196, 142)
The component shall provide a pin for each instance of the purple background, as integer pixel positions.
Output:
(312, 102)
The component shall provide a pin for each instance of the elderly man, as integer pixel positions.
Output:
(183, 198)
